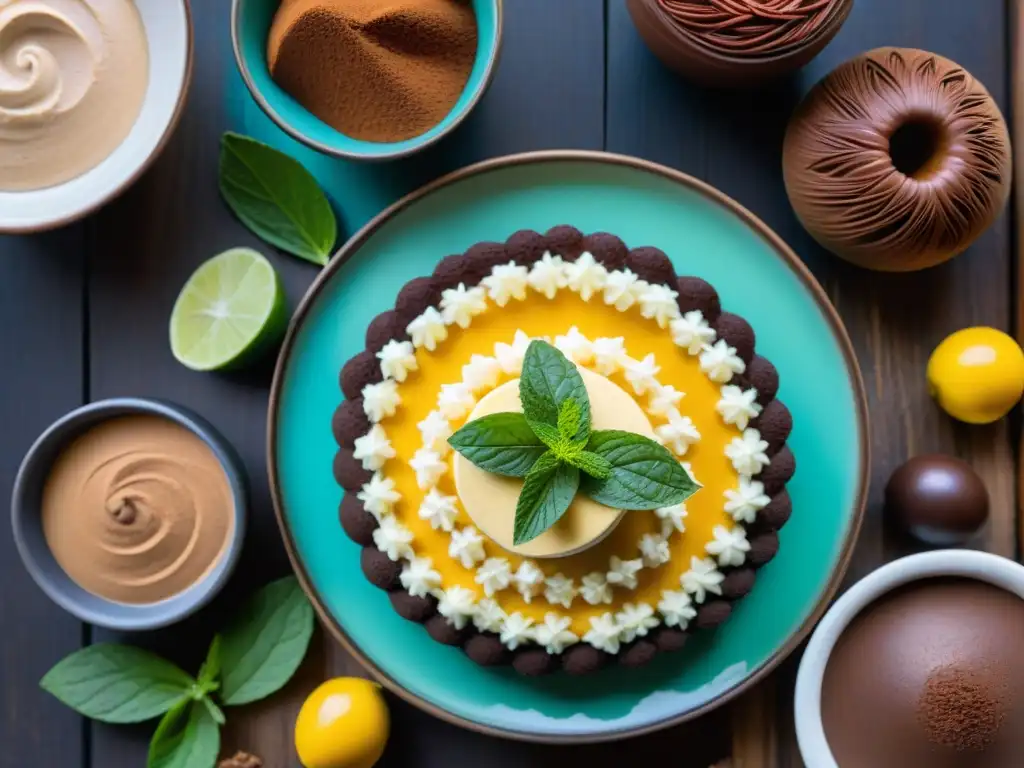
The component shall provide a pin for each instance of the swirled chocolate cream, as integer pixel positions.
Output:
(138, 509)
(930, 676)
(73, 77)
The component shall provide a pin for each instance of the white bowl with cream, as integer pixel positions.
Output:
(90, 91)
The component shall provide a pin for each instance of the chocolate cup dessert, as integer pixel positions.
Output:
(740, 45)
(897, 160)
(918, 664)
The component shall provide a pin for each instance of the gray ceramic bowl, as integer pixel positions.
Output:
(43, 567)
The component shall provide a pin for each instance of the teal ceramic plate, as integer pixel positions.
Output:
(705, 234)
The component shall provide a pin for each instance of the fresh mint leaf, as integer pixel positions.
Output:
(569, 418)
(548, 434)
(187, 737)
(548, 380)
(644, 475)
(502, 443)
(209, 674)
(117, 683)
(278, 199)
(591, 463)
(215, 712)
(547, 493)
(265, 642)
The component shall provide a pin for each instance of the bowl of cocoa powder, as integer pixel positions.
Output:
(918, 664)
(367, 79)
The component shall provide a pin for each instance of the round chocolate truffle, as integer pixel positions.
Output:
(937, 499)
(763, 548)
(639, 653)
(458, 268)
(379, 569)
(777, 513)
(713, 613)
(349, 422)
(443, 632)
(652, 265)
(417, 609)
(695, 293)
(764, 378)
(383, 328)
(779, 472)
(566, 241)
(775, 422)
(669, 639)
(526, 247)
(737, 334)
(486, 650)
(349, 471)
(414, 298)
(738, 583)
(487, 256)
(606, 249)
(929, 675)
(359, 371)
(534, 662)
(357, 523)
(581, 659)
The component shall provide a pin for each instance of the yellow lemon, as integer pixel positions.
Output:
(977, 375)
(343, 724)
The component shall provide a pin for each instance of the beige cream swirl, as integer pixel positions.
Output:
(73, 76)
(137, 510)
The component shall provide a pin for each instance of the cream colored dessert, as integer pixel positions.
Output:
(490, 499)
(73, 77)
(138, 509)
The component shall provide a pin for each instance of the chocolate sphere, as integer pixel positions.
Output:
(937, 499)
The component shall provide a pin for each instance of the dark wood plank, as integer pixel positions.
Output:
(733, 140)
(146, 245)
(41, 346)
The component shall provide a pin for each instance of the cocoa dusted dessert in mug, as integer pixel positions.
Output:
(931, 675)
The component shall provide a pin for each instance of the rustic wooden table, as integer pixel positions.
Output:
(83, 316)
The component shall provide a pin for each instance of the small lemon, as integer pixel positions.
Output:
(977, 375)
(343, 724)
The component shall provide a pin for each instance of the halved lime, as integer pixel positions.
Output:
(230, 311)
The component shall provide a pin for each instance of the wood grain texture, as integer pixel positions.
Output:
(1017, 138)
(41, 346)
(732, 139)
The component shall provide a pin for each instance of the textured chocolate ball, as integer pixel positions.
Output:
(414, 298)
(349, 422)
(360, 370)
(525, 247)
(417, 609)
(382, 329)
(779, 472)
(713, 613)
(777, 513)
(695, 293)
(566, 241)
(443, 632)
(486, 650)
(534, 662)
(938, 499)
(379, 569)
(457, 268)
(606, 249)
(582, 659)
(738, 583)
(669, 639)
(763, 548)
(774, 423)
(763, 377)
(349, 471)
(488, 255)
(652, 265)
(737, 333)
(357, 523)
(638, 653)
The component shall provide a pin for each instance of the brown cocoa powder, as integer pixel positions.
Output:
(961, 709)
(375, 70)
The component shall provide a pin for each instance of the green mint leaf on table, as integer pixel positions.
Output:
(548, 491)
(278, 199)
(265, 642)
(117, 683)
(548, 380)
(593, 464)
(187, 737)
(569, 418)
(502, 443)
(644, 474)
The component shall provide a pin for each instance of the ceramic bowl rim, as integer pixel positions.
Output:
(966, 563)
(782, 251)
(243, 69)
(111, 614)
(141, 168)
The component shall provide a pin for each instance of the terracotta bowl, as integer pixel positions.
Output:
(897, 160)
(704, 59)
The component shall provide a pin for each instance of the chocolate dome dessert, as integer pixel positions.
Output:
(898, 160)
(938, 499)
(930, 675)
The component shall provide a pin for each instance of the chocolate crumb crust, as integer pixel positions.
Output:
(525, 247)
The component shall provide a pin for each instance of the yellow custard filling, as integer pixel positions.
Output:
(538, 316)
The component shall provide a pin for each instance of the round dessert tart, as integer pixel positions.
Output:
(572, 535)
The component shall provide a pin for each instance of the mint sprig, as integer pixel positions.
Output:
(258, 653)
(551, 445)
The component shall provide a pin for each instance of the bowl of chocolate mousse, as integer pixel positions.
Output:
(918, 664)
(130, 513)
(90, 92)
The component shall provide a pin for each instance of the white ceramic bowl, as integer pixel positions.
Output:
(982, 566)
(168, 25)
